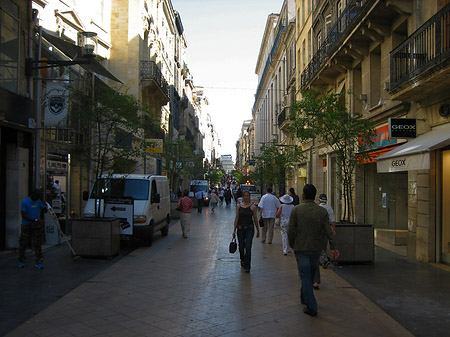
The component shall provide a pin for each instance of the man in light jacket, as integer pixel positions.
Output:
(308, 224)
(268, 206)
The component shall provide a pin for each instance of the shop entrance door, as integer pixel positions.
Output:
(445, 244)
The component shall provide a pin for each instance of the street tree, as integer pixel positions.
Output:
(182, 162)
(276, 164)
(114, 126)
(323, 117)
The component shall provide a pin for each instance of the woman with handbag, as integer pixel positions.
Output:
(245, 221)
(184, 206)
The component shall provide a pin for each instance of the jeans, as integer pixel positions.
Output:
(307, 263)
(245, 238)
(199, 205)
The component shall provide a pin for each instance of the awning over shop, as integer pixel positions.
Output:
(415, 154)
(74, 52)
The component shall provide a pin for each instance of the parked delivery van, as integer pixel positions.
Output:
(149, 196)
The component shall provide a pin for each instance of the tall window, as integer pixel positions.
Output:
(9, 42)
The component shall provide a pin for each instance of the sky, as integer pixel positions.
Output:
(223, 41)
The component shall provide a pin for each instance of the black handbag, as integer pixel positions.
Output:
(261, 222)
(233, 246)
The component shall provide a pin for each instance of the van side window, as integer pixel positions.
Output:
(154, 193)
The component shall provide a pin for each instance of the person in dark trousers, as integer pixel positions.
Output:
(228, 196)
(199, 197)
(307, 225)
(31, 228)
(245, 221)
(296, 199)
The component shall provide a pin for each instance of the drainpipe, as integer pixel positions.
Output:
(37, 134)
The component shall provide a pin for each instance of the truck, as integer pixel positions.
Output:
(201, 185)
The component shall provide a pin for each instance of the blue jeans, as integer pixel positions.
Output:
(199, 205)
(245, 238)
(307, 263)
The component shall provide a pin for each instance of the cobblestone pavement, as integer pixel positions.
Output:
(194, 287)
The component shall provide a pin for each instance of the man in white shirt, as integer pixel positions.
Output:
(268, 206)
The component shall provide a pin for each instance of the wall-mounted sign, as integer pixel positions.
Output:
(402, 128)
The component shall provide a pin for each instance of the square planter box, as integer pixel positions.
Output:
(355, 243)
(96, 237)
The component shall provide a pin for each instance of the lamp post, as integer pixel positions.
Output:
(35, 65)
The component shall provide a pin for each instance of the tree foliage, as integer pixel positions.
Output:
(114, 126)
(276, 164)
(181, 162)
(324, 117)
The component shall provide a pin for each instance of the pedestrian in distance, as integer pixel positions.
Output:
(323, 260)
(31, 228)
(228, 196)
(199, 197)
(221, 195)
(284, 212)
(244, 222)
(213, 199)
(307, 225)
(295, 197)
(268, 206)
(185, 203)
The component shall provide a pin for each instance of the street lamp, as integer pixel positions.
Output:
(87, 47)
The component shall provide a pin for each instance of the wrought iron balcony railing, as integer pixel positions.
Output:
(150, 71)
(342, 27)
(284, 116)
(426, 48)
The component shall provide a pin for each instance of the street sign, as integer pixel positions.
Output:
(178, 164)
(154, 145)
(122, 208)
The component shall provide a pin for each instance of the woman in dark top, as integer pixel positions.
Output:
(245, 220)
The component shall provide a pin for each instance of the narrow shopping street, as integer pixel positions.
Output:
(195, 287)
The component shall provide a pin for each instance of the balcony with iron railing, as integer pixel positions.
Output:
(284, 119)
(151, 76)
(343, 26)
(424, 54)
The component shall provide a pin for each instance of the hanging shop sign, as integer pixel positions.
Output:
(56, 104)
(402, 128)
(154, 146)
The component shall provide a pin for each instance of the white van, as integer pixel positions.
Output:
(199, 185)
(151, 200)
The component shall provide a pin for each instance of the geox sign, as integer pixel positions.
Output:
(402, 128)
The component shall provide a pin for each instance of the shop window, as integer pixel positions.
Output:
(9, 51)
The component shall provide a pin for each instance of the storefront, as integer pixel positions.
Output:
(426, 161)
(385, 196)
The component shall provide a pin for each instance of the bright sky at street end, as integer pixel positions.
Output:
(223, 41)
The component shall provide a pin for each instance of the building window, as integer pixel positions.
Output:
(9, 51)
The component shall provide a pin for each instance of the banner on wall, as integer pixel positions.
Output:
(56, 104)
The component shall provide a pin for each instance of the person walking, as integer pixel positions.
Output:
(221, 195)
(307, 225)
(213, 199)
(244, 222)
(296, 199)
(199, 197)
(323, 259)
(268, 206)
(185, 203)
(31, 228)
(284, 212)
(227, 196)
